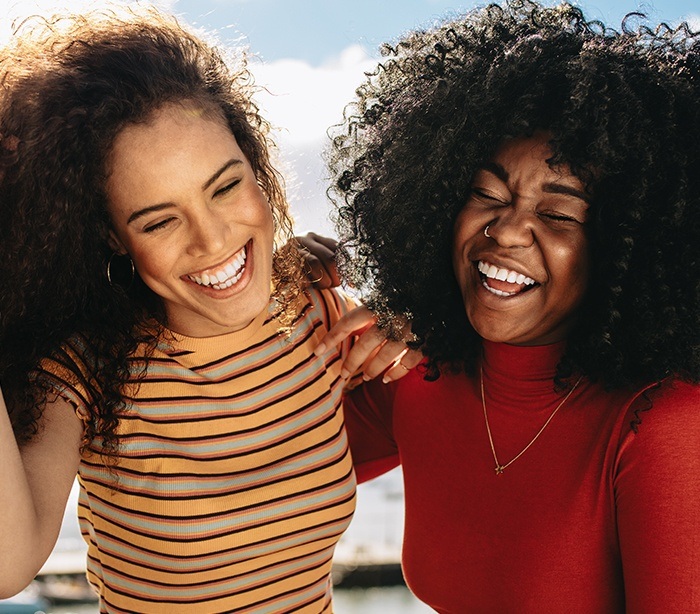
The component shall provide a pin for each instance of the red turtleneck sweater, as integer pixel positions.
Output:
(593, 518)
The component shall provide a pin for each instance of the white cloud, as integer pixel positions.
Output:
(302, 103)
(304, 100)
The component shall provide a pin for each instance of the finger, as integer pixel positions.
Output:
(386, 357)
(332, 273)
(364, 348)
(324, 255)
(317, 273)
(352, 323)
(327, 242)
(403, 366)
(319, 255)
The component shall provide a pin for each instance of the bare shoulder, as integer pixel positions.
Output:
(55, 450)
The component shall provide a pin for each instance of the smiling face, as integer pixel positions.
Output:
(523, 283)
(185, 204)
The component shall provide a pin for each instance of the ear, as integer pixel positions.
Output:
(116, 244)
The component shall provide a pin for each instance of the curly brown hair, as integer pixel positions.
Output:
(69, 85)
(623, 111)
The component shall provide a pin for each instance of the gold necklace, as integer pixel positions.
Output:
(499, 468)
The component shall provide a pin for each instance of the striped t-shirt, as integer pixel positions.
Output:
(234, 476)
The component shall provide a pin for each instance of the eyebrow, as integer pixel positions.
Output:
(558, 188)
(207, 184)
(551, 188)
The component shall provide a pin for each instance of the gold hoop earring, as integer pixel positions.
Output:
(114, 284)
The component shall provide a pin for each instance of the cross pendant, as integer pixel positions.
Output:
(499, 469)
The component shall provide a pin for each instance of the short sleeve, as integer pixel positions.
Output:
(64, 374)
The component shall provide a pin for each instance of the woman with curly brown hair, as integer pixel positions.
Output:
(154, 337)
(525, 184)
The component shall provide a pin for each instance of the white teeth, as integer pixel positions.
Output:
(496, 292)
(226, 276)
(513, 277)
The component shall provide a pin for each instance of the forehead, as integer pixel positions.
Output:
(168, 157)
(532, 151)
(528, 159)
(169, 118)
(172, 135)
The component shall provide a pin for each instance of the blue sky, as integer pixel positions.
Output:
(314, 30)
(311, 54)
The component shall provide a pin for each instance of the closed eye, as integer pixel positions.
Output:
(482, 194)
(559, 217)
(158, 225)
(227, 188)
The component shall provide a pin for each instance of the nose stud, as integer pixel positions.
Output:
(486, 231)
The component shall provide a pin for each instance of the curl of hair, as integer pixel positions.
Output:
(622, 109)
(69, 85)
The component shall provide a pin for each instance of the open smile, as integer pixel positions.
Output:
(503, 282)
(224, 275)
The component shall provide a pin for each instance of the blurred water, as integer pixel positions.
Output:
(379, 600)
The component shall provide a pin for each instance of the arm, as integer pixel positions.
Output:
(368, 411)
(657, 489)
(35, 482)
(372, 352)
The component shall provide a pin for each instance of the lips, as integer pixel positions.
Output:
(223, 275)
(503, 282)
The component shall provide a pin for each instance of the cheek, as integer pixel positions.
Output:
(152, 265)
(258, 212)
(574, 270)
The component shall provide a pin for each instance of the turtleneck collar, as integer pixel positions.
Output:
(519, 374)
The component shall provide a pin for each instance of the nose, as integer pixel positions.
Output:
(208, 233)
(512, 228)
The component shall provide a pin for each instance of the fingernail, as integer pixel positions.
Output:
(366, 377)
(344, 373)
(320, 349)
(386, 379)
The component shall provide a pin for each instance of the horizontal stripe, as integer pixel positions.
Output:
(180, 486)
(233, 482)
(247, 516)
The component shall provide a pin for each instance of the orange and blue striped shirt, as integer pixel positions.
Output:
(233, 482)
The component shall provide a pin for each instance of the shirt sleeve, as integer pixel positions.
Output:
(657, 490)
(64, 374)
(369, 423)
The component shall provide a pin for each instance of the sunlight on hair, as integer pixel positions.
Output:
(16, 11)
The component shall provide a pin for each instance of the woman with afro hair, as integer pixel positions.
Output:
(156, 336)
(525, 184)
